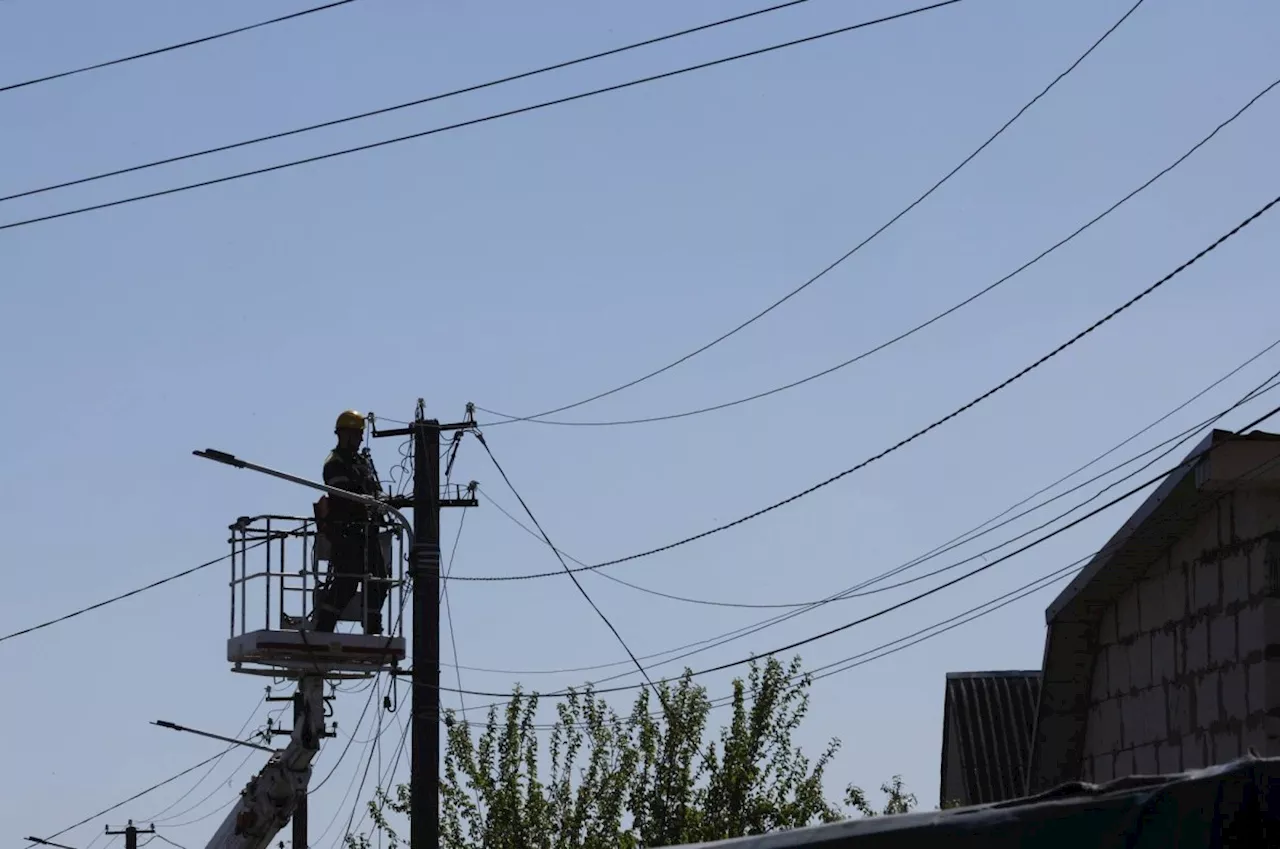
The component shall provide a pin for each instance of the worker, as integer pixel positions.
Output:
(352, 529)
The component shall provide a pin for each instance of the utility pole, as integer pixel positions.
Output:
(299, 812)
(424, 768)
(424, 764)
(131, 833)
(299, 819)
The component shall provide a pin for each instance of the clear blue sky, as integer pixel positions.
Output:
(533, 261)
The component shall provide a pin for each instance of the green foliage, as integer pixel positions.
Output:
(649, 779)
(897, 799)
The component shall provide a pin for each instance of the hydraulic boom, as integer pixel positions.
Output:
(269, 799)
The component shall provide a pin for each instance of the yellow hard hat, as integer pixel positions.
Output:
(350, 420)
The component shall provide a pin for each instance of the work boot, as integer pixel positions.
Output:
(373, 624)
(324, 619)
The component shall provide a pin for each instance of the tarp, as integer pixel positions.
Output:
(1232, 806)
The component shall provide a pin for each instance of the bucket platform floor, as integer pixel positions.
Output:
(306, 650)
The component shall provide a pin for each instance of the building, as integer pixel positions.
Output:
(1163, 654)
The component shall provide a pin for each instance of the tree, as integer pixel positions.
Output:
(649, 779)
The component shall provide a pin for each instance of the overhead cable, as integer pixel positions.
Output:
(861, 591)
(123, 596)
(172, 47)
(528, 512)
(168, 821)
(209, 814)
(926, 323)
(474, 121)
(448, 607)
(946, 625)
(907, 641)
(963, 539)
(418, 102)
(857, 590)
(939, 628)
(925, 430)
(798, 609)
(364, 777)
(508, 418)
(373, 691)
(932, 590)
(134, 797)
(384, 779)
(351, 786)
(238, 735)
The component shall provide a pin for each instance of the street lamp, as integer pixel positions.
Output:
(367, 500)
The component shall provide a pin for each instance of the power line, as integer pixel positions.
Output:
(364, 777)
(907, 440)
(924, 324)
(893, 646)
(509, 418)
(233, 800)
(123, 596)
(855, 591)
(851, 592)
(937, 629)
(373, 691)
(973, 533)
(173, 47)
(968, 536)
(419, 102)
(991, 606)
(240, 733)
(168, 821)
(934, 630)
(474, 121)
(134, 797)
(859, 590)
(480, 436)
(448, 607)
(337, 811)
(936, 589)
(365, 742)
(385, 778)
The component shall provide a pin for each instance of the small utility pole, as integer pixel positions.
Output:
(300, 809)
(424, 767)
(131, 833)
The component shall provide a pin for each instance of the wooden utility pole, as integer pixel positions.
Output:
(424, 566)
(300, 810)
(131, 833)
(299, 819)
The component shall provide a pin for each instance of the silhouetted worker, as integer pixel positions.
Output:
(355, 552)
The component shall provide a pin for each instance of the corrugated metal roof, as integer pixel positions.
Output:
(992, 715)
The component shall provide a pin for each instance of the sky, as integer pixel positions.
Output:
(534, 261)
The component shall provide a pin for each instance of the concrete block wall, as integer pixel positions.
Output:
(1187, 668)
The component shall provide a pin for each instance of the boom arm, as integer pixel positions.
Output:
(269, 799)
